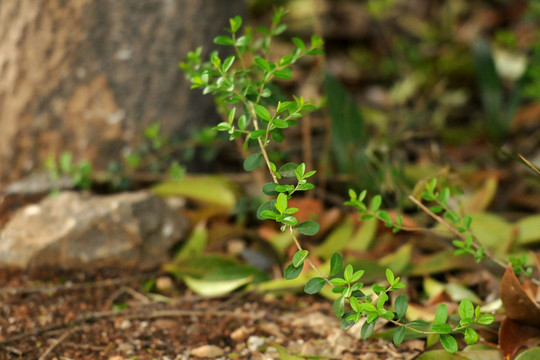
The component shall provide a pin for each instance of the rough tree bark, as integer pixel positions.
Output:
(90, 75)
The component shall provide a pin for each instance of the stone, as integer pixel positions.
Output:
(84, 231)
(207, 351)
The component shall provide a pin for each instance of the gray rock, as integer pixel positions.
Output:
(78, 230)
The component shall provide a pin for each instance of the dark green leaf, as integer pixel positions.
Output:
(270, 189)
(399, 335)
(401, 306)
(292, 272)
(269, 205)
(339, 306)
(309, 227)
(336, 262)
(253, 161)
(314, 285)
(367, 329)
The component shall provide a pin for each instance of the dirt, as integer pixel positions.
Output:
(109, 315)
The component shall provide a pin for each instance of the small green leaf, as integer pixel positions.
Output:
(441, 328)
(299, 257)
(291, 272)
(399, 335)
(401, 306)
(281, 203)
(227, 65)
(381, 300)
(390, 276)
(314, 285)
(466, 309)
(357, 275)
(253, 161)
(235, 22)
(377, 289)
(449, 343)
(338, 281)
(299, 43)
(336, 262)
(224, 40)
(262, 112)
(300, 171)
(285, 73)
(348, 273)
(288, 170)
(269, 214)
(270, 189)
(242, 41)
(485, 319)
(376, 203)
(263, 64)
(257, 133)
(441, 314)
(471, 336)
(339, 306)
(444, 195)
(269, 205)
(309, 227)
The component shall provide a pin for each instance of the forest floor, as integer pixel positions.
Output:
(52, 315)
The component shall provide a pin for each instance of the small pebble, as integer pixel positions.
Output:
(207, 351)
(255, 343)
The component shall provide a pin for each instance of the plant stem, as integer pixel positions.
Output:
(454, 231)
(299, 247)
(261, 145)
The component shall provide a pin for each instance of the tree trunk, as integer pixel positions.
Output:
(90, 75)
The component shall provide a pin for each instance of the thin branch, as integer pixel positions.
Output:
(64, 336)
(476, 245)
(299, 247)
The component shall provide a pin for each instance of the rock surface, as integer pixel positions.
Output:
(77, 230)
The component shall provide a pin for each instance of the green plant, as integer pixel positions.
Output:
(242, 85)
(80, 173)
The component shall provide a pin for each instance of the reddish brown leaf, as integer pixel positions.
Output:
(517, 302)
(513, 335)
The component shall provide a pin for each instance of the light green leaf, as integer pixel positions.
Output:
(196, 243)
(214, 288)
(449, 343)
(211, 190)
(262, 112)
(299, 257)
(531, 354)
(441, 314)
(529, 230)
(466, 309)
(281, 203)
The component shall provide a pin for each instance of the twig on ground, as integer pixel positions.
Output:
(57, 342)
(135, 313)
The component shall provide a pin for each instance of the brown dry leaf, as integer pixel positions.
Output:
(518, 303)
(513, 335)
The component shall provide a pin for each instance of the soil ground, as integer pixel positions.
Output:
(68, 315)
